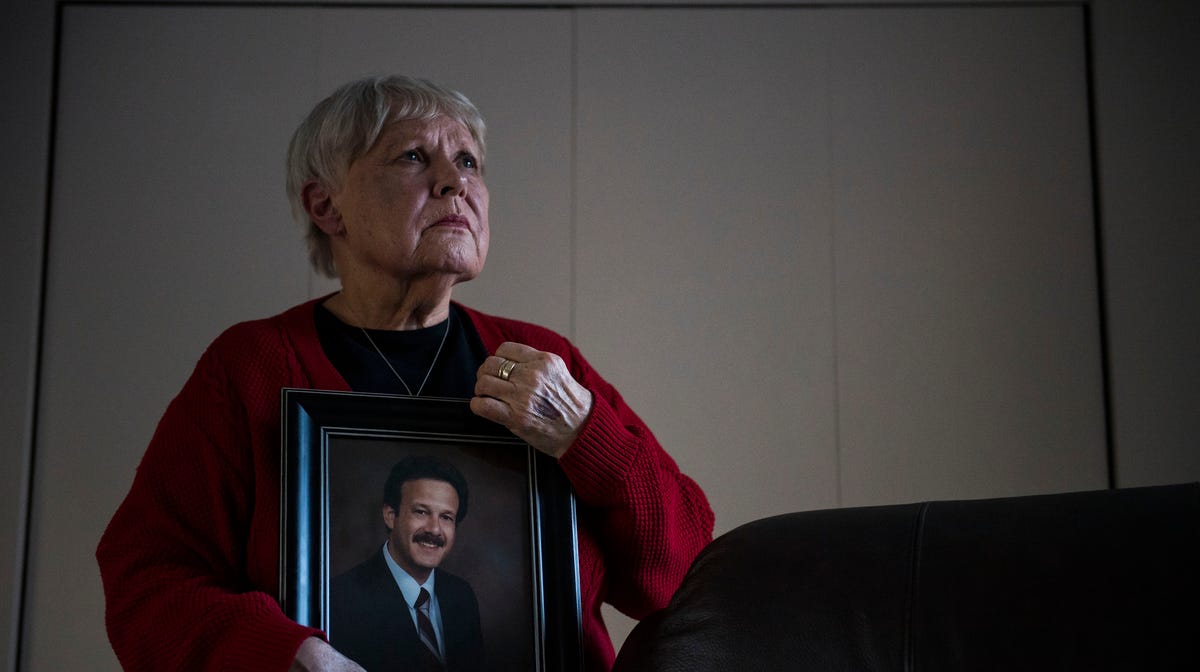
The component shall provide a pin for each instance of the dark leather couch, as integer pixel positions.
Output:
(1103, 580)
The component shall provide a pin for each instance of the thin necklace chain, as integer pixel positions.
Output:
(397, 373)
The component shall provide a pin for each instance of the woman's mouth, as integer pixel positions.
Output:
(454, 222)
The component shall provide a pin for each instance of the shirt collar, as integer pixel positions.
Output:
(407, 584)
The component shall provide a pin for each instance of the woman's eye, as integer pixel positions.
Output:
(468, 161)
(410, 155)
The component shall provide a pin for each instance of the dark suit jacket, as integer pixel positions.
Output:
(370, 623)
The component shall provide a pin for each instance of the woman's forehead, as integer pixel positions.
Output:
(439, 130)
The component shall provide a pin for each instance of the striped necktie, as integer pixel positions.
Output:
(425, 625)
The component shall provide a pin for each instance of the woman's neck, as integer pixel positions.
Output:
(395, 307)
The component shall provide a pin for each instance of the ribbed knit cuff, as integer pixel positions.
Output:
(269, 644)
(602, 455)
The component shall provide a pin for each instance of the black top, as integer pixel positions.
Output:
(409, 352)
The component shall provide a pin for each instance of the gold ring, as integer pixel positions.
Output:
(506, 368)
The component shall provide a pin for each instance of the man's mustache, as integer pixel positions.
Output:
(429, 538)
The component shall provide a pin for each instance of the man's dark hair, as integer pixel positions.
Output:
(416, 467)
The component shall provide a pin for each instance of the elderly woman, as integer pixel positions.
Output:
(387, 174)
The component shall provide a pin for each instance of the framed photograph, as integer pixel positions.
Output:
(383, 496)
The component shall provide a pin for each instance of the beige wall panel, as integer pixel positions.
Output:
(968, 331)
(169, 223)
(704, 243)
(516, 67)
(1147, 61)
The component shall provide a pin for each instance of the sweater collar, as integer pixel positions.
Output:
(299, 328)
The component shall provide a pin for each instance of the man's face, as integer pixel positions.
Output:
(422, 530)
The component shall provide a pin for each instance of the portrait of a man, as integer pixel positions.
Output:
(397, 609)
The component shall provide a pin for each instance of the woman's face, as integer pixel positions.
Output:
(416, 203)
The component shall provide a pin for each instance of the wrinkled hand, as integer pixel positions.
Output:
(540, 402)
(316, 655)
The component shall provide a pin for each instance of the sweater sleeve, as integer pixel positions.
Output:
(651, 518)
(173, 558)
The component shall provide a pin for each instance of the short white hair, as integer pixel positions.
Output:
(344, 127)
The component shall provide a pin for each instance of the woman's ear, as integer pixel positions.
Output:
(318, 203)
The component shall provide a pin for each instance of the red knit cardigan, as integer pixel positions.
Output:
(190, 560)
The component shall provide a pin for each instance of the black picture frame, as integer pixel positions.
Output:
(334, 446)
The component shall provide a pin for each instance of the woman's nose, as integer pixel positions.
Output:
(449, 181)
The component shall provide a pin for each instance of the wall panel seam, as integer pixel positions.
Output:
(1098, 242)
